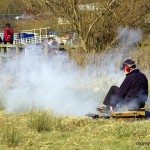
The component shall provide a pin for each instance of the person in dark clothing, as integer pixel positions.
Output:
(8, 34)
(131, 95)
(1, 40)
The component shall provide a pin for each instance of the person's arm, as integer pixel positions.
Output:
(124, 88)
(12, 35)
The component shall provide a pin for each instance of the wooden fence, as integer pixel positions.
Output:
(7, 51)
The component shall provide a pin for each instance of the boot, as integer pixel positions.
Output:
(104, 109)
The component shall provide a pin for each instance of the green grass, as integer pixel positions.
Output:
(42, 130)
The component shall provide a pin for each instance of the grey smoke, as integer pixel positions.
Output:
(31, 81)
(129, 38)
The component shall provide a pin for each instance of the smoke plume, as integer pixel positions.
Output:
(31, 81)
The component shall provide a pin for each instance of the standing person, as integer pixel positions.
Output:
(8, 34)
(61, 44)
(131, 95)
(0, 40)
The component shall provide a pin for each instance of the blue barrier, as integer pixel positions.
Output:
(26, 35)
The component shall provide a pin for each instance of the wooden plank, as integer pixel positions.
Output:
(12, 45)
(128, 114)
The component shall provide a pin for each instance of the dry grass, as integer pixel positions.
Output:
(71, 133)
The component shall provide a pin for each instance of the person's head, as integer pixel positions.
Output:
(68, 36)
(128, 66)
(50, 39)
(7, 25)
(60, 40)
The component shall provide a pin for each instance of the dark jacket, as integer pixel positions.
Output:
(134, 89)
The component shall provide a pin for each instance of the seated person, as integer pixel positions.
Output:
(52, 44)
(131, 95)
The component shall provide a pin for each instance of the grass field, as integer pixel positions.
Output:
(43, 131)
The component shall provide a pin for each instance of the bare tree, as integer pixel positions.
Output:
(97, 21)
(78, 14)
(35, 6)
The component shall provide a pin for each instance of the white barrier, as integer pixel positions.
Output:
(39, 35)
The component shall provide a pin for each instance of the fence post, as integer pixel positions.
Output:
(8, 51)
(2, 58)
(17, 50)
(45, 49)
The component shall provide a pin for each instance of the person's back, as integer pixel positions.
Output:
(8, 34)
(131, 95)
(135, 86)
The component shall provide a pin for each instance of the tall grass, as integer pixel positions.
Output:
(43, 121)
(11, 136)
